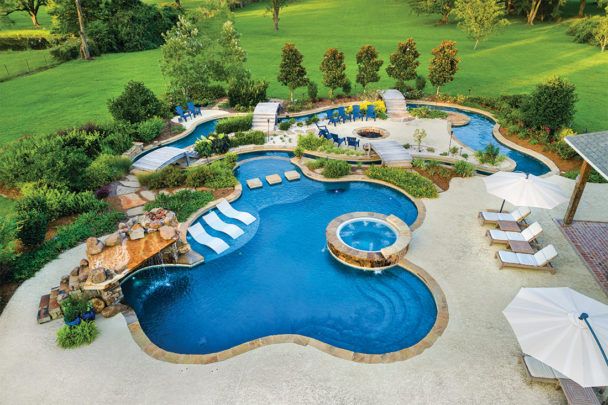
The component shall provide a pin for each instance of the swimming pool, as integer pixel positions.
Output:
(279, 277)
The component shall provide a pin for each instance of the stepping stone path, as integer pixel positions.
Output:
(292, 175)
(254, 183)
(135, 211)
(274, 179)
(148, 195)
(122, 190)
(128, 201)
(132, 184)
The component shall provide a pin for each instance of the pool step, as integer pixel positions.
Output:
(274, 179)
(254, 183)
(292, 175)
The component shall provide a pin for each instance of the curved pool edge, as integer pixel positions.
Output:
(553, 169)
(441, 323)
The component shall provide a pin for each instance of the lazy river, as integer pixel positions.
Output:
(279, 278)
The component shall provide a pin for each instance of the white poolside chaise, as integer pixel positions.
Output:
(216, 223)
(201, 236)
(225, 208)
(492, 217)
(527, 235)
(541, 260)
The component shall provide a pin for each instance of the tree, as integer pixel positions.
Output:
(551, 105)
(85, 53)
(479, 18)
(135, 104)
(419, 135)
(291, 72)
(334, 70)
(444, 64)
(231, 55)
(31, 7)
(441, 7)
(404, 62)
(601, 33)
(368, 66)
(274, 7)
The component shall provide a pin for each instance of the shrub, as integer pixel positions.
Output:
(94, 223)
(298, 151)
(167, 177)
(420, 83)
(135, 104)
(184, 203)
(31, 227)
(202, 147)
(248, 138)
(8, 235)
(234, 124)
(73, 307)
(285, 125)
(583, 30)
(106, 169)
(220, 143)
(594, 176)
(247, 93)
(312, 90)
(430, 149)
(70, 49)
(378, 104)
(69, 337)
(336, 168)
(317, 163)
(419, 163)
(414, 184)
(465, 155)
(490, 155)
(25, 39)
(426, 112)
(215, 175)
(312, 142)
(57, 203)
(149, 129)
(464, 169)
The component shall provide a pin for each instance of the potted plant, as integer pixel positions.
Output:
(88, 314)
(71, 311)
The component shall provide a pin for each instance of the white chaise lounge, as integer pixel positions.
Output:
(491, 217)
(216, 223)
(541, 260)
(201, 236)
(225, 208)
(527, 235)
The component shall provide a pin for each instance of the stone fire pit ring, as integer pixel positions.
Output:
(368, 260)
(371, 133)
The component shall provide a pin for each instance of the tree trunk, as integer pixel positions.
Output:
(34, 17)
(581, 8)
(85, 53)
(178, 3)
(275, 18)
(533, 11)
(437, 91)
(476, 43)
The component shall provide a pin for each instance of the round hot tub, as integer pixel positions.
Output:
(371, 133)
(368, 240)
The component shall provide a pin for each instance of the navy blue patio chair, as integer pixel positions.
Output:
(334, 118)
(338, 139)
(194, 110)
(182, 114)
(357, 112)
(342, 114)
(352, 141)
(371, 112)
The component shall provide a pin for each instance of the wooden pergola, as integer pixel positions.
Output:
(593, 148)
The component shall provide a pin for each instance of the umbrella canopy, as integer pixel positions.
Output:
(525, 190)
(547, 323)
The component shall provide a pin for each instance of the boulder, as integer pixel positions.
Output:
(94, 246)
(83, 274)
(98, 275)
(167, 232)
(137, 232)
(112, 310)
(75, 272)
(84, 263)
(154, 225)
(183, 249)
(98, 304)
(113, 240)
(170, 219)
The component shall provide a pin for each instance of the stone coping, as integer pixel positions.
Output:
(441, 323)
(553, 169)
(368, 260)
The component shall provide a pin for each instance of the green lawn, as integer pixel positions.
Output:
(7, 207)
(510, 62)
(17, 63)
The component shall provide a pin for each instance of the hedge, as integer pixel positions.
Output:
(412, 183)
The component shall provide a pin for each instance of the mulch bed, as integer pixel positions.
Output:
(441, 181)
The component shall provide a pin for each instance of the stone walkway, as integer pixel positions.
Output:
(590, 239)
(131, 196)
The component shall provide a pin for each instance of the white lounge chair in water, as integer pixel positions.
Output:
(491, 217)
(527, 235)
(201, 236)
(216, 223)
(228, 210)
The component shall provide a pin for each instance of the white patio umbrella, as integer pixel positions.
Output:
(525, 190)
(565, 330)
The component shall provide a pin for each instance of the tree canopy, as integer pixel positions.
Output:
(291, 71)
(404, 62)
(368, 66)
(444, 64)
(334, 70)
(479, 18)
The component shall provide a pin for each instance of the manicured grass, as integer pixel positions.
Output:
(511, 62)
(17, 63)
(7, 207)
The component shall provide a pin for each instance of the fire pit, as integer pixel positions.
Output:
(371, 133)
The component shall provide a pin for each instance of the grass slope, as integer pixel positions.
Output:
(512, 61)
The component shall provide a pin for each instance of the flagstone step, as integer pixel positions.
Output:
(254, 183)
(292, 175)
(274, 179)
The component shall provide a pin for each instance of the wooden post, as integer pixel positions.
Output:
(581, 182)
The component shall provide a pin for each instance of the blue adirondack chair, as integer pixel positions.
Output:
(334, 118)
(329, 136)
(182, 114)
(357, 112)
(342, 114)
(352, 141)
(371, 112)
(338, 140)
(322, 129)
(194, 110)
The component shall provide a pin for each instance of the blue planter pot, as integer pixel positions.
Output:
(88, 316)
(75, 322)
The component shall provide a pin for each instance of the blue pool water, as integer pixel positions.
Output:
(367, 234)
(279, 277)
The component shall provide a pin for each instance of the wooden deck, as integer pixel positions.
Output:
(392, 153)
(161, 157)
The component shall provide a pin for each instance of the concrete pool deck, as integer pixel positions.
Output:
(474, 361)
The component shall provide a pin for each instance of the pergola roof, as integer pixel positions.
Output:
(593, 148)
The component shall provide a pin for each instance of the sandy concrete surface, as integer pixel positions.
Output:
(475, 361)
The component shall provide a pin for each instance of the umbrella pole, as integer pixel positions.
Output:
(585, 317)
(503, 205)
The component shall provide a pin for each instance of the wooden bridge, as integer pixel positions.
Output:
(392, 153)
(161, 157)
